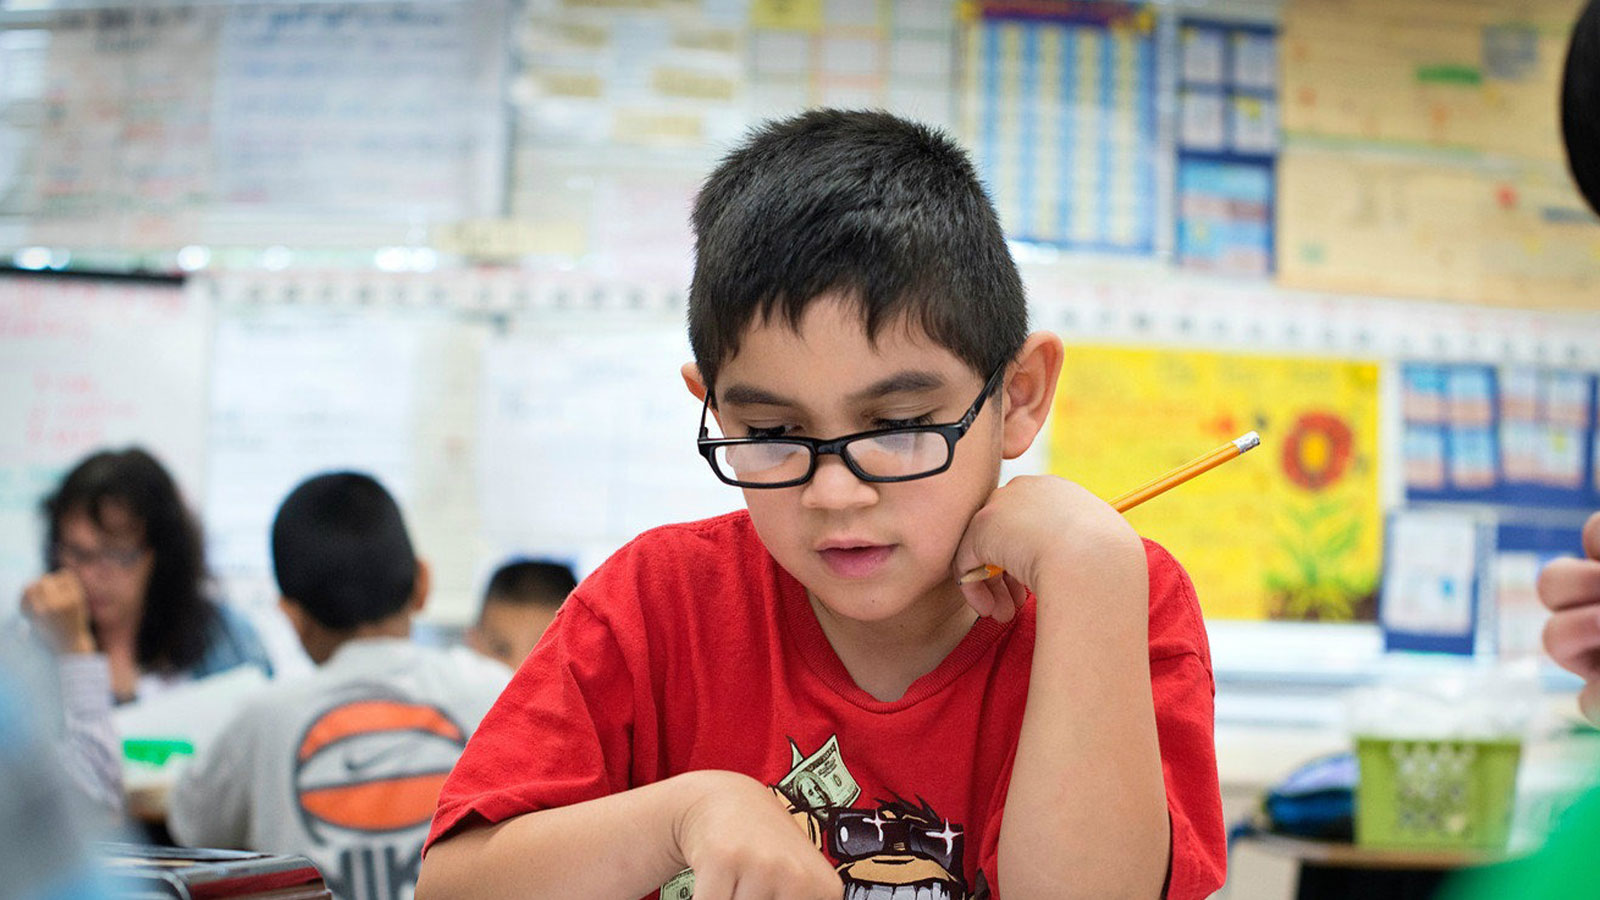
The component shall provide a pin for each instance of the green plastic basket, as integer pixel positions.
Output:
(1435, 794)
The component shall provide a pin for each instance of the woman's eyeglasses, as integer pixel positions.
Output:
(75, 557)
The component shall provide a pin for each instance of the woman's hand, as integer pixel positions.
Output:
(59, 610)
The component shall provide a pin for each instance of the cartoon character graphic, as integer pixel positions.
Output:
(896, 852)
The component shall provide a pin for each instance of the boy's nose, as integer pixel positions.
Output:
(834, 486)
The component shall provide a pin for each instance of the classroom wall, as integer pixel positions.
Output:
(447, 242)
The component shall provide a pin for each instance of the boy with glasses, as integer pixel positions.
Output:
(800, 699)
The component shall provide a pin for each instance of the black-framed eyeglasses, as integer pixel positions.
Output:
(904, 453)
(75, 557)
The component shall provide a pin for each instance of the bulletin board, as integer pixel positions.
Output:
(1290, 531)
(1424, 157)
(1471, 76)
(1227, 146)
(336, 125)
(1457, 228)
(1522, 436)
(627, 109)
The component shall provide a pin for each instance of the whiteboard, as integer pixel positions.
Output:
(302, 390)
(87, 363)
(588, 438)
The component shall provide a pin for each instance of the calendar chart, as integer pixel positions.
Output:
(1059, 109)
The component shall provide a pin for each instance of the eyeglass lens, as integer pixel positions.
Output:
(895, 455)
(74, 556)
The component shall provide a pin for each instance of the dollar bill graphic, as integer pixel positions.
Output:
(681, 887)
(819, 781)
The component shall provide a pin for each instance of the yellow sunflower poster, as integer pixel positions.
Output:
(1291, 530)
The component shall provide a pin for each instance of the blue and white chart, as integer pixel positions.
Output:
(1060, 109)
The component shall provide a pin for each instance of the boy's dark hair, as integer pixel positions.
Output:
(179, 620)
(340, 550)
(889, 211)
(1580, 104)
(530, 583)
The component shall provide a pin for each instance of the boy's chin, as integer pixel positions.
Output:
(879, 602)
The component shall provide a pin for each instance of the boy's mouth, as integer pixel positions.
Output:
(858, 561)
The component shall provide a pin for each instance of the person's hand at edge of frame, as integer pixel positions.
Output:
(1571, 589)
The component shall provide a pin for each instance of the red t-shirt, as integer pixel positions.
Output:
(691, 648)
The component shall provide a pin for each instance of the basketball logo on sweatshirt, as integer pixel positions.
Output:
(374, 765)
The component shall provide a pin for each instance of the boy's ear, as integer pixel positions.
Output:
(420, 588)
(693, 381)
(1030, 391)
(697, 387)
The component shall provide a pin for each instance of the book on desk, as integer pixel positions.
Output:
(183, 873)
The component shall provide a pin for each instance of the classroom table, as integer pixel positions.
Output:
(1335, 870)
(149, 872)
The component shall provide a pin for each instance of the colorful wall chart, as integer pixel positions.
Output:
(1423, 154)
(1060, 110)
(1511, 435)
(1291, 530)
(1227, 146)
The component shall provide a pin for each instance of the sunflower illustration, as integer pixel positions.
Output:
(1317, 451)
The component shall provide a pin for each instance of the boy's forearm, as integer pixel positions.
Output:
(1086, 813)
(622, 845)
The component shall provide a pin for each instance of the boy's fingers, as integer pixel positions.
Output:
(1591, 536)
(1572, 638)
(1001, 608)
(712, 885)
(1568, 583)
(1004, 610)
(1019, 592)
(978, 597)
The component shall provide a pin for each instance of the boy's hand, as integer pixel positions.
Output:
(58, 608)
(1571, 588)
(1041, 528)
(741, 841)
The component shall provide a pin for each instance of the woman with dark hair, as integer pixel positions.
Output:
(127, 580)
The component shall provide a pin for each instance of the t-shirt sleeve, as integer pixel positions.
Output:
(558, 735)
(1183, 690)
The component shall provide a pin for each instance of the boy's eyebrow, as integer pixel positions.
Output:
(910, 381)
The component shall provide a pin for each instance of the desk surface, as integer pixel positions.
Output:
(1346, 855)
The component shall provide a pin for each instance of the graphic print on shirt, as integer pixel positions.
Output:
(367, 777)
(888, 850)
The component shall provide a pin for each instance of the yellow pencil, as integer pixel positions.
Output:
(1151, 488)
